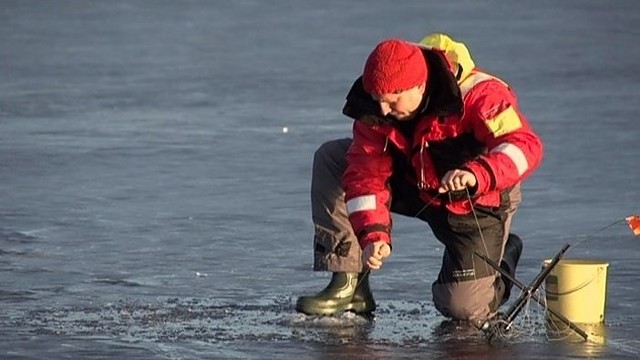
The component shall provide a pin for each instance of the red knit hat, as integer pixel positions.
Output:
(394, 65)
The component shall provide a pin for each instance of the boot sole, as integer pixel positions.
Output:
(356, 307)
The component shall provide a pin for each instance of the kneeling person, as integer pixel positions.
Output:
(436, 139)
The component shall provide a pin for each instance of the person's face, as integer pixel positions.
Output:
(402, 105)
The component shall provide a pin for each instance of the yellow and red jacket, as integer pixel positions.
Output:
(471, 122)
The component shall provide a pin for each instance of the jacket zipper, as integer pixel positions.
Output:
(422, 185)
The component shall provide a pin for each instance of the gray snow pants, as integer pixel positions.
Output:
(466, 288)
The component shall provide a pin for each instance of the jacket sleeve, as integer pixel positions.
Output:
(365, 181)
(514, 150)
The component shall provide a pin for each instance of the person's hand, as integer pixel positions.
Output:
(457, 179)
(374, 253)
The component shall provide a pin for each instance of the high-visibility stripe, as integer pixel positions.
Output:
(515, 154)
(361, 203)
(474, 79)
(505, 122)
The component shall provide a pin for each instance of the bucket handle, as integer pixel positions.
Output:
(577, 288)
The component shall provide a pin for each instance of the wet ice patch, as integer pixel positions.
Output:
(396, 323)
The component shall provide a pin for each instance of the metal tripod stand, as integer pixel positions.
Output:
(528, 292)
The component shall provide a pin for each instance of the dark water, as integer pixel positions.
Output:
(151, 206)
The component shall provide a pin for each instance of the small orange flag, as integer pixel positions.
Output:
(634, 224)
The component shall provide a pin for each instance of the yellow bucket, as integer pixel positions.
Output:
(577, 289)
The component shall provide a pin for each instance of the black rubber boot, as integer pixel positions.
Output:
(512, 252)
(346, 292)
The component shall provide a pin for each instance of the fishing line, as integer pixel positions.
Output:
(484, 243)
(594, 233)
(502, 327)
(427, 205)
(475, 217)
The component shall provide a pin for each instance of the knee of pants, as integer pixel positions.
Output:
(332, 151)
(336, 251)
(322, 152)
(467, 300)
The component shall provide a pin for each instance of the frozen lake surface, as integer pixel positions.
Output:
(151, 206)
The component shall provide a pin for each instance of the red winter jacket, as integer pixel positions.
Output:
(475, 125)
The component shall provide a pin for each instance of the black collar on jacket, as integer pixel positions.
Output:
(442, 97)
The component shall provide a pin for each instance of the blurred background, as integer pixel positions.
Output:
(151, 205)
